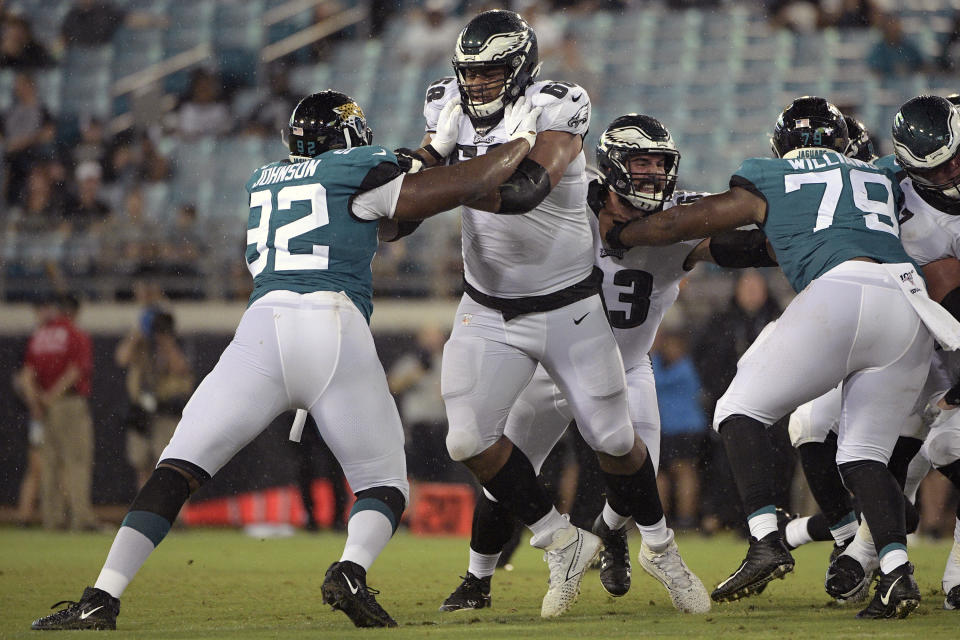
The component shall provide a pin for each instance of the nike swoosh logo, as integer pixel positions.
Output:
(353, 589)
(86, 614)
(580, 319)
(885, 598)
(577, 98)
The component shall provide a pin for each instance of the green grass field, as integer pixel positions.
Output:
(224, 584)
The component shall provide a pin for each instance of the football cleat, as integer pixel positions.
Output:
(473, 593)
(568, 556)
(847, 580)
(686, 590)
(766, 559)
(97, 610)
(614, 558)
(896, 595)
(345, 589)
(952, 601)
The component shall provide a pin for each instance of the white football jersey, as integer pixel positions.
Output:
(928, 234)
(639, 285)
(548, 248)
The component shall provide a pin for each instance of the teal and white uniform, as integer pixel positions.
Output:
(304, 342)
(852, 320)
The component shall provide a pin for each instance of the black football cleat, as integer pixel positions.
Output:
(896, 595)
(766, 559)
(97, 610)
(345, 589)
(473, 593)
(952, 601)
(847, 580)
(614, 558)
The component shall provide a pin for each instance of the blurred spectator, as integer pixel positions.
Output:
(28, 499)
(270, 116)
(558, 50)
(43, 207)
(381, 13)
(90, 23)
(159, 382)
(722, 340)
(429, 34)
(56, 379)
(18, 49)
(895, 54)
(92, 146)
(802, 16)
(132, 240)
(415, 377)
(322, 11)
(203, 112)
(86, 211)
(183, 241)
(316, 460)
(28, 132)
(949, 54)
(682, 427)
(850, 14)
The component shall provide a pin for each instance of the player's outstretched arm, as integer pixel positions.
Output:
(736, 249)
(439, 189)
(706, 217)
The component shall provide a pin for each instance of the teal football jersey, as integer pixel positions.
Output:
(301, 234)
(823, 209)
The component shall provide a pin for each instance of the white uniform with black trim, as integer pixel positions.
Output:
(928, 235)
(511, 261)
(639, 285)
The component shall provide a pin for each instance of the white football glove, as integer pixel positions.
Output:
(444, 141)
(520, 120)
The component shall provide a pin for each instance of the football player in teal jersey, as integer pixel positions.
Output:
(861, 316)
(304, 341)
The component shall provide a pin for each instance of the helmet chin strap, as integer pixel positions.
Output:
(346, 136)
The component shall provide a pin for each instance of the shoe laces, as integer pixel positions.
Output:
(671, 565)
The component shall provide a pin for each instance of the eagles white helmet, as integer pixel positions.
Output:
(630, 136)
(926, 141)
(495, 40)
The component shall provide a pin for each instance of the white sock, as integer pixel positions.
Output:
(762, 524)
(893, 559)
(862, 548)
(843, 532)
(368, 532)
(951, 572)
(544, 528)
(482, 564)
(613, 519)
(130, 549)
(657, 536)
(956, 531)
(797, 534)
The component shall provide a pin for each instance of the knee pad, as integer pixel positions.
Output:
(387, 500)
(942, 447)
(618, 443)
(463, 444)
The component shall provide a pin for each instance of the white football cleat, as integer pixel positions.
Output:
(568, 556)
(685, 588)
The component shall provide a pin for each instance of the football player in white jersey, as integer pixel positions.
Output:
(531, 297)
(638, 161)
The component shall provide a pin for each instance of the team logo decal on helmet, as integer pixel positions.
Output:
(323, 121)
(926, 142)
(494, 41)
(627, 138)
(809, 122)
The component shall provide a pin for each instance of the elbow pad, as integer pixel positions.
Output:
(525, 189)
(740, 249)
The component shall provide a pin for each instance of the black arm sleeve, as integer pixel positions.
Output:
(951, 302)
(525, 189)
(740, 249)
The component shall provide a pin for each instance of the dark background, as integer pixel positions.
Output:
(267, 461)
